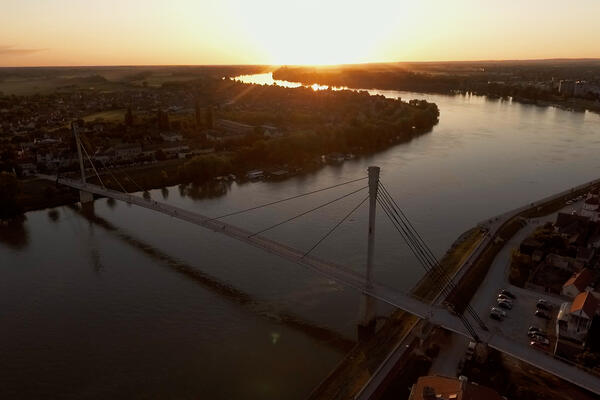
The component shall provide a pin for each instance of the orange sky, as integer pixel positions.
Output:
(135, 32)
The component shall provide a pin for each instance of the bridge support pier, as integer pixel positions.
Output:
(367, 322)
(85, 197)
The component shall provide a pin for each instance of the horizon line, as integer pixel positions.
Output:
(306, 65)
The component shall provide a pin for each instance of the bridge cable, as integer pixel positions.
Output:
(286, 199)
(435, 261)
(335, 226)
(92, 163)
(435, 265)
(309, 211)
(426, 253)
(419, 255)
(116, 179)
(132, 180)
(113, 176)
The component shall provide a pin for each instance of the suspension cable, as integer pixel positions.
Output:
(335, 226)
(286, 199)
(419, 256)
(113, 176)
(436, 267)
(92, 163)
(309, 211)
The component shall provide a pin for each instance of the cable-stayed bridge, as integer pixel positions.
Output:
(468, 324)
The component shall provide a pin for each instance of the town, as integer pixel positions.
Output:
(568, 84)
(195, 131)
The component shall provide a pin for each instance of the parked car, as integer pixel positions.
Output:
(542, 314)
(539, 345)
(495, 316)
(498, 311)
(542, 306)
(507, 305)
(534, 328)
(541, 340)
(534, 335)
(507, 293)
(504, 297)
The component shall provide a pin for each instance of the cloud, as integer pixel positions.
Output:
(12, 51)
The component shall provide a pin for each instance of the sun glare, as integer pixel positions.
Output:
(315, 32)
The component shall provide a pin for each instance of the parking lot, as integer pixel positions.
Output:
(518, 320)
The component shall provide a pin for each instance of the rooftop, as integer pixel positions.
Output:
(443, 388)
(586, 302)
(581, 280)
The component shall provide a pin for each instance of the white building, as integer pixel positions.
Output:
(127, 151)
(171, 137)
(575, 318)
(591, 208)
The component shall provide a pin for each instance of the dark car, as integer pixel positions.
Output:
(539, 345)
(507, 293)
(535, 335)
(495, 316)
(504, 304)
(542, 314)
(533, 328)
(543, 306)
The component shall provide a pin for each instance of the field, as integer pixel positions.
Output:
(106, 116)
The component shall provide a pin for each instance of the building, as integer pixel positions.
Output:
(127, 151)
(271, 131)
(591, 208)
(221, 136)
(171, 137)
(575, 318)
(442, 388)
(578, 283)
(236, 128)
(566, 87)
(255, 174)
(177, 151)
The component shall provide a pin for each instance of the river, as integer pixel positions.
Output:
(132, 304)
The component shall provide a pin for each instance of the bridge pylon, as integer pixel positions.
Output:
(366, 325)
(84, 197)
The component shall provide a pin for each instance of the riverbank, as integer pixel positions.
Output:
(355, 370)
(446, 82)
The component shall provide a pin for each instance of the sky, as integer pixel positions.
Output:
(190, 32)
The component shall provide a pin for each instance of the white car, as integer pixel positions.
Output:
(505, 304)
(504, 297)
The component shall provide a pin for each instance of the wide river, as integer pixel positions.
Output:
(134, 304)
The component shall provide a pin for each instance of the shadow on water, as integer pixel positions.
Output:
(14, 234)
(321, 334)
(53, 215)
(165, 193)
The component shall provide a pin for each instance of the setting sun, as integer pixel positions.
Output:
(69, 32)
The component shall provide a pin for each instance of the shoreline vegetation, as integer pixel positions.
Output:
(314, 128)
(527, 82)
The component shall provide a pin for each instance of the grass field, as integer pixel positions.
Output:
(106, 116)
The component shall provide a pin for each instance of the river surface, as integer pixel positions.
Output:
(134, 304)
